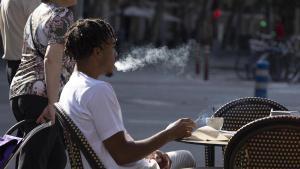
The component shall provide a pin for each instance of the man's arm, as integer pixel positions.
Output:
(125, 151)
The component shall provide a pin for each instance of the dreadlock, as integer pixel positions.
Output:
(86, 34)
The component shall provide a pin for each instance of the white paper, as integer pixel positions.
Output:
(208, 133)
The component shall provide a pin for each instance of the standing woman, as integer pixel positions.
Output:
(42, 73)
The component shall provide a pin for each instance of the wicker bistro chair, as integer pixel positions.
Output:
(267, 143)
(76, 142)
(238, 113)
(21, 142)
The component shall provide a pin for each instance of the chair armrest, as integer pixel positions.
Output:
(18, 125)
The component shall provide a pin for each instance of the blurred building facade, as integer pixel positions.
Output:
(170, 22)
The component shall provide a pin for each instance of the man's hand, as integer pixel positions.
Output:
(181, 128)
(47, 115)
(161, 158)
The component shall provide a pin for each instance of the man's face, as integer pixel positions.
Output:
(109, 57)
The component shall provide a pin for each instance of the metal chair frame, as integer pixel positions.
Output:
(26, 138)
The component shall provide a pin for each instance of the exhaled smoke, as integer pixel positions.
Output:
(143, 56)
(201, 119)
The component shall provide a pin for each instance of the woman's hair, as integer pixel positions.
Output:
(86, 34)
(45, 1)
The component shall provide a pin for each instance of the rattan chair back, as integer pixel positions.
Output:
(76, 142)
(267, 143)
(242, 111)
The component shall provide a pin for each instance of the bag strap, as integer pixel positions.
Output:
(34, 44)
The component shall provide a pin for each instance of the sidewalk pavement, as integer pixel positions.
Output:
(152, 98)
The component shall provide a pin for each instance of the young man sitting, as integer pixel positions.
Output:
(93, 105)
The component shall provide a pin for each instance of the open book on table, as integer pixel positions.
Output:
(208, 133)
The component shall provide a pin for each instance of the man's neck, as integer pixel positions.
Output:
(88, 70)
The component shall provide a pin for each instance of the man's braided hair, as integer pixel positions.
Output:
(86, 34)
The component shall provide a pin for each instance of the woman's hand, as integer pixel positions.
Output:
(48, 114)
(163, 160)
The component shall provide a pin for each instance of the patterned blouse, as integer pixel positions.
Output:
(49, 24)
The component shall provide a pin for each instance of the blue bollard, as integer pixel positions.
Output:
(262, 78)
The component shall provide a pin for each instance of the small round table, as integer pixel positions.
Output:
(210, 151)
(206, 143)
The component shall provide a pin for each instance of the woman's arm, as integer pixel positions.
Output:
(53, 66)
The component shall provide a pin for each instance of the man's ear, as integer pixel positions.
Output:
(97, 51)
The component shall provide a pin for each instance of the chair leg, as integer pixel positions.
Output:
(210, 156)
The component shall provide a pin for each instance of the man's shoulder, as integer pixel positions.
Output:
(87, 88)
(88, 85)
(102, 87)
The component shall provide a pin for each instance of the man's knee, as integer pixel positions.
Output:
(182, 159)
(189, 158)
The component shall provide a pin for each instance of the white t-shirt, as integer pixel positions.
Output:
(93, 106)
